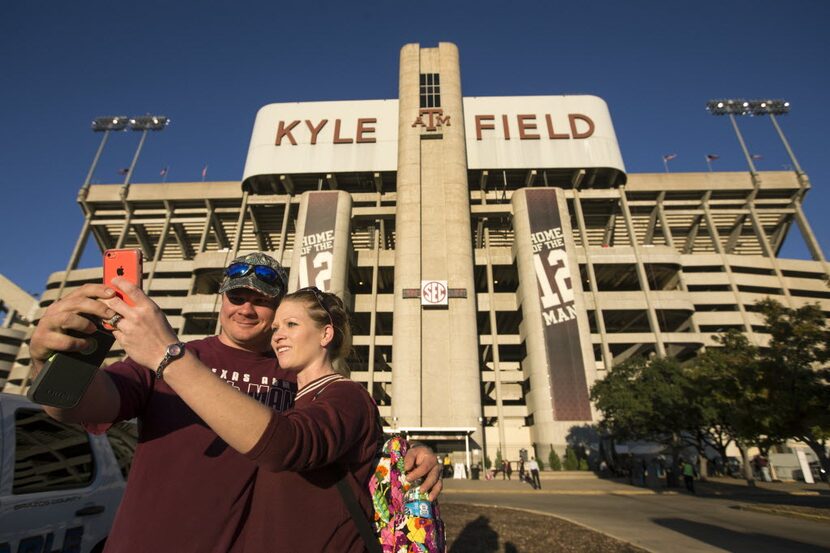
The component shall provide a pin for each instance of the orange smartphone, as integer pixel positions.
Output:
(128, 264)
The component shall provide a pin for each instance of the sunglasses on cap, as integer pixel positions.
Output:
(262, 272)
(318, 295)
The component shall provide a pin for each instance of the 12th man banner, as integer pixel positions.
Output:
(554, 275)
(317, 245)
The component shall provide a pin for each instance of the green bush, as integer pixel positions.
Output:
(487, 462)
(571, 461)
(583, 464)
(553, 460)
(541, 464)
(499, 460)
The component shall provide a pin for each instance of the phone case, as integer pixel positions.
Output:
(66, 375)
(126, 264)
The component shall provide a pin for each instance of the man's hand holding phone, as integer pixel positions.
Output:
(68, 346)
(67, 314)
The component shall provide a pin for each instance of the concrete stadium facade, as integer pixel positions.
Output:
(495, 254)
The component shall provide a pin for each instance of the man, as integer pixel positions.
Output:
(187, 490)
(689, 476)
(533, 467)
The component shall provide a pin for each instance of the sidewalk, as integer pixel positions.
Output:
(664, 519)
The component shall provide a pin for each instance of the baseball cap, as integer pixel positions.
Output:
(250, 278)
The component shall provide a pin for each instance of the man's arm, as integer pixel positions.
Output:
(101, 401)
(421, 462)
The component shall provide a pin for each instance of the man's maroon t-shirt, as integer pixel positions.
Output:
(188, 491)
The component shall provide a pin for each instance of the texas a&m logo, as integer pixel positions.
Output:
(435, 119)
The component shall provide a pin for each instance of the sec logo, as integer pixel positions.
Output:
(434, 292)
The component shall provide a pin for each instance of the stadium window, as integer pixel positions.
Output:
(430, 91)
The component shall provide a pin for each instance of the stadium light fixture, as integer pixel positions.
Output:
(148, 122)
(748, 107)
(109, 123)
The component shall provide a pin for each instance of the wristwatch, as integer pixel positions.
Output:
(173, 352)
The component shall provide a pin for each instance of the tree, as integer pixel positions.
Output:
(754, 396)
(796, 373)
(553, 460)
(571, 461)
(733, 397)
(648, 400)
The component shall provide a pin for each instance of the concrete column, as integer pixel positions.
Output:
(160, 247)
(810, 238)
(284, 229)
(733, 284)
(641, 274)
(607, 358)
(209, 210)
(435, 350)
(494, 336)
(664, 223)
(406, 327)
(769, 253)
(77, 251)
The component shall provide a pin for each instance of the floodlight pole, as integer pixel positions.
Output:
(786, 145)
(125, 190)
(752, 168)
(85, 188)
(129, 176)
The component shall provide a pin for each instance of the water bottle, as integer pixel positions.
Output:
(416, 502)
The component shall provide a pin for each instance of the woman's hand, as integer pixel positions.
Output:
(143, 330)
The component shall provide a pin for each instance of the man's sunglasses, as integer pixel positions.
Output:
(318, 295)
(264, 273)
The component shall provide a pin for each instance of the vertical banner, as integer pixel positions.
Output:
(317, 246)
(554, 275)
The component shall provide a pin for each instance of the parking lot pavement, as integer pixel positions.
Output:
(661, 519)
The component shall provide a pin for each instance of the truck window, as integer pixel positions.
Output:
(49, 455)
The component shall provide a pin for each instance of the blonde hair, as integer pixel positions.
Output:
(326, 308)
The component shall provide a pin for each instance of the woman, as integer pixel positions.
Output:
(331, 433)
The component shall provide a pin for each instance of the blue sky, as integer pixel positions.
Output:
(210, 65)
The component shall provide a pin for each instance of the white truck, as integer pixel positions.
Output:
(59, 485)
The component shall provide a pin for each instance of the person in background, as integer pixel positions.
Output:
(689, 476)
(533, 467)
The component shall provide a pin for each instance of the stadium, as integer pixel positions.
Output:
(496, 255)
